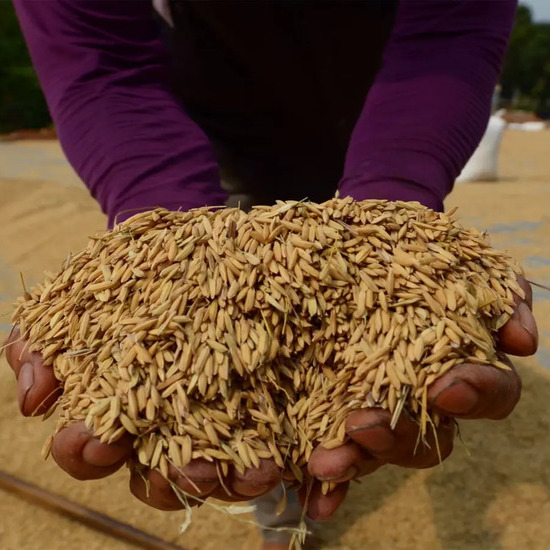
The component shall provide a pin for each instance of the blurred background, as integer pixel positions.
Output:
(22, 104)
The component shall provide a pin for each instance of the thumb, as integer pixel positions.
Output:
(519, 336)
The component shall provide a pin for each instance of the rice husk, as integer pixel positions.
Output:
(237, 337)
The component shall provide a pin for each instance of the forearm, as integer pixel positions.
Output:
(102, 68)
(430, 103)
(141, 152)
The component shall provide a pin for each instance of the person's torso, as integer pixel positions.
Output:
(284, 81)
(278, 65)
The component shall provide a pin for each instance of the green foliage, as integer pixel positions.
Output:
(22, 103)
(526, 69)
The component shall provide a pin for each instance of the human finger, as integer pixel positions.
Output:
(254, 482)
(319, 506)
(84, 457)
(477, 391)
(193, 483)
(340, 464)
(404, 445)
(37, 387)
(519, 336)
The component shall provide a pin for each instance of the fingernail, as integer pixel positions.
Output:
(527, 320)
(201, 480)
(350, 473)
(249, 491)
(457, 398)
(99, 455)
(25, 382)
(377, 438)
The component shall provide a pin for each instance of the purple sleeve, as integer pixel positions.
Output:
(430, 103)
(102, 68)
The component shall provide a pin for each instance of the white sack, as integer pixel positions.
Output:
(483, 164)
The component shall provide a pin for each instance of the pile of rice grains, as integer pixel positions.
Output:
(235, 336)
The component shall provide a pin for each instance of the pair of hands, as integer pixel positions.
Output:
(465, 392)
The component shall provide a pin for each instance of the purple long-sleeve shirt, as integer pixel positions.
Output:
(105, 73)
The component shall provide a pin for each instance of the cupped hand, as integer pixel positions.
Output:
(467, 391)
(84, 457)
